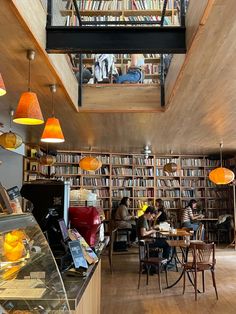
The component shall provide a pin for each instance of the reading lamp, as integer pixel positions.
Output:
(221, 175)
(52, 132)
(28, 110)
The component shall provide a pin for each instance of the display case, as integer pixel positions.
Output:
(30, 281)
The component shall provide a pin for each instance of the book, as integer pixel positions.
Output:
(77, 255)
(88, 253)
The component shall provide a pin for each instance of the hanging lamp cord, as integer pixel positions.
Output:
(53, 109)
(29, 77)
(221, 145)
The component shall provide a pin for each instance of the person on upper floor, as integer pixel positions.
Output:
(135, 73)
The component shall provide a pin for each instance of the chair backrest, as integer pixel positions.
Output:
(202, 254)
(143, 250)
(199, 232)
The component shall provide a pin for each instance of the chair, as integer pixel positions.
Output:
(201, 257)
(224, 228)
(200, 232)
(124, 232)
(145, 260)
(110, 249)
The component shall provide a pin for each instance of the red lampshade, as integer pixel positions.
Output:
(221, 175)
(52, 132)
(28, 110)
(2, 86)
(90, 163)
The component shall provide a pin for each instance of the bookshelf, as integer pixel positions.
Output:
(126, 11)
(32, 169)
(121, 10)
(144, 179)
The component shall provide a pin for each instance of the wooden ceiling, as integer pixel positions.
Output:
(200, 114)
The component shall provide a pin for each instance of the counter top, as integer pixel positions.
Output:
(76, 285)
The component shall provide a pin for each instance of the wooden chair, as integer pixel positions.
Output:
(110, 249)
(201, 257)
(200, 232)
(146, 261)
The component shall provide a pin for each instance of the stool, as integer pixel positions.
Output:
(225, 231)
(124, 232)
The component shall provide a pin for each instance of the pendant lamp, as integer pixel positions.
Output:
(28, 110)
(90, 163)
(170, 167)
(2, 86)
(52, 132)
(221, 175)
(47, 160)
(10, 140)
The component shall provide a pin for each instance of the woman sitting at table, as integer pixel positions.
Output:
(188, 219)
(123, 218)
(160, 212)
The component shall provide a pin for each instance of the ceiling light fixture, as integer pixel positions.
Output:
(28, 110)
(90, 163)
(10, 140)
(221, 175)
(52, 132)
(2, 86)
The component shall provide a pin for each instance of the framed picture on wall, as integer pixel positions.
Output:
(5, 206)
(33, 166)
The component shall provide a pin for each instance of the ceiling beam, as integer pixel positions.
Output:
(62, 39)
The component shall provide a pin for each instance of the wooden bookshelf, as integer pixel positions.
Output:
(143, 179)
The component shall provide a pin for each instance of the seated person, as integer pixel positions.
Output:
(160, 212)
(144, 231)
(124, 220)
(135, 71)
(188, 218)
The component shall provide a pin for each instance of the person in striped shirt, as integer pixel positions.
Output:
(188, 219)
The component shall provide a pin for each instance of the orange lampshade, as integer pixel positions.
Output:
(52, 132)
(28, 110)
(10, 140)
(90, 163)
(2, 86)
(221, 175)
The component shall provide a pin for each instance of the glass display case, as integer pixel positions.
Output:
(30, 281)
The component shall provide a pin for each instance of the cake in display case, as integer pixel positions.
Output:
(30, 281)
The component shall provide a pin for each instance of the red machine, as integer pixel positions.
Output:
(87, 221)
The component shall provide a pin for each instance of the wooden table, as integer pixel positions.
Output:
(180, 233)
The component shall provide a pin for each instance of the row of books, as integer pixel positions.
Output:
(146, 172)
(75, 158)
(96, 181)
(116, 5)
(143, 193)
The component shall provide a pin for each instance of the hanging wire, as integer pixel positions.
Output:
(29, 76)
(53, 109)
(221, 145)
(53, 90)
(11, 116)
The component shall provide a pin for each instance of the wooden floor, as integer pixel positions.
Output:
(121, 296)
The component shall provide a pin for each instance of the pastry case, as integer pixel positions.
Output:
(30, 281)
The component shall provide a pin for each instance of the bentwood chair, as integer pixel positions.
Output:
(145, 261)
(201, 257)
(200, 232)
